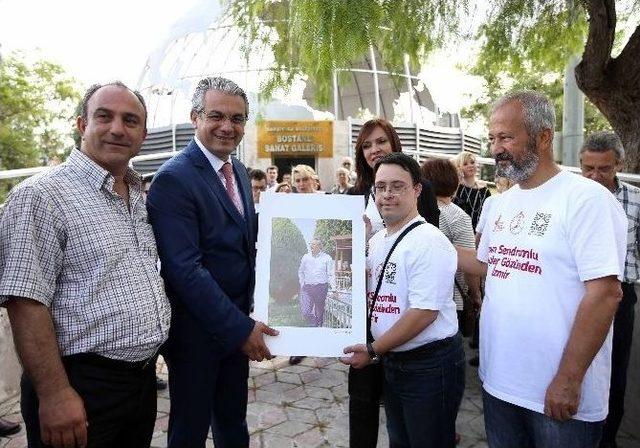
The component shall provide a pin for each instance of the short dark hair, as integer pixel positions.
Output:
(257, 175)
(443, 176)
(272, 167)
(604, 141)
(404, 161)
(84, 105)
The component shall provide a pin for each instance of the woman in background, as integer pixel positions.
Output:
(472, 191)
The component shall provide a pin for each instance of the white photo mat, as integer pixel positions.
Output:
(311, 341)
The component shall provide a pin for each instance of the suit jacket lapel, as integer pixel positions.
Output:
(213, 180)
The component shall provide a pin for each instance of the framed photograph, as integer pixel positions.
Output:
(310, 272)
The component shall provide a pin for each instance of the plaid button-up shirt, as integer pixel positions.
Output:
(68, 241)
(629, 197)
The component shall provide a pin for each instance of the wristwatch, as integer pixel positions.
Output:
(373, 356)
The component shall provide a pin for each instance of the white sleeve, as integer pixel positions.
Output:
(431, 266)
(597, 233)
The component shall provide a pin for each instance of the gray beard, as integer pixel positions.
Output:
(523, 169)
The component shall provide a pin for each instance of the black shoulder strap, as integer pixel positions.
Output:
(384, 267)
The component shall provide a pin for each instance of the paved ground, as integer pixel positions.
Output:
(306, 406)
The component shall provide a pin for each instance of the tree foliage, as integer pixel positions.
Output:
(315, 37)
(328, 228)
(287, 248)
(36, 113)
(525, 43)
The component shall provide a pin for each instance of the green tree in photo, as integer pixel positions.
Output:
(327, 228)
(287, 248)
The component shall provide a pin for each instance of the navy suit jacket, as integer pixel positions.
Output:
(207, 251)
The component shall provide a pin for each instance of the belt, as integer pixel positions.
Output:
(422, 351)
(116, 364)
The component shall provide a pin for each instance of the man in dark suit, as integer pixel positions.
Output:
(201, 210)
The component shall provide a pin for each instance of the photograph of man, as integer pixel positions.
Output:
(317, 275)
(78, 277)
(202, 213)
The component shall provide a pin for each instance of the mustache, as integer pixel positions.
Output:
(503, 156)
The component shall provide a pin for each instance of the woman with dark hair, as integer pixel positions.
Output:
(376, 139)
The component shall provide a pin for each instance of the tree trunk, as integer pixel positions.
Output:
(613, 84)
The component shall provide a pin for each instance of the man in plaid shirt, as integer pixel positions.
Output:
(601, 157)
(79, 280)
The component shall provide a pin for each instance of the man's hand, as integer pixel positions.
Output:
(63, 421)
(476, 299)
(562, 398)
(367, 227)
(254, 347)
(360, 357)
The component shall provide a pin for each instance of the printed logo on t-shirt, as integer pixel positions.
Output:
(498, 225)
(540, 224)
(516, 225)
(390, 273)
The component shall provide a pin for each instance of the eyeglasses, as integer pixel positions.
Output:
(218, 117)
(394, 189)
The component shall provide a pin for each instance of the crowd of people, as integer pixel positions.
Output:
(548, 265)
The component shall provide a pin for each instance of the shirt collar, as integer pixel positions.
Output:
(618, 185)
(215, 161)
(97, 176)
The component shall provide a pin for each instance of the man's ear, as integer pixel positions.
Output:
(418, 189)
(545, 138)
(81, 124)
(194, 116)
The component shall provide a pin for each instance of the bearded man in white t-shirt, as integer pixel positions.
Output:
(413, 320)
(553, 252)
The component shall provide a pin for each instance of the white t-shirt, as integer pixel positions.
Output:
(316, 269)
(419, 275)
(486, 208)
(540, 246)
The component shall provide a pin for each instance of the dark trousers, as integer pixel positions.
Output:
(208, 392)
(119, 399)
(621, 352)
(312, 303)
(365, 393)
(423, 392)
(511, 426)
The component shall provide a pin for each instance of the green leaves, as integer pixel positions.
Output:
(36, 113)
(312, 38)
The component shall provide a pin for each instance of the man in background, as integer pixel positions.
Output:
(601, 158)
